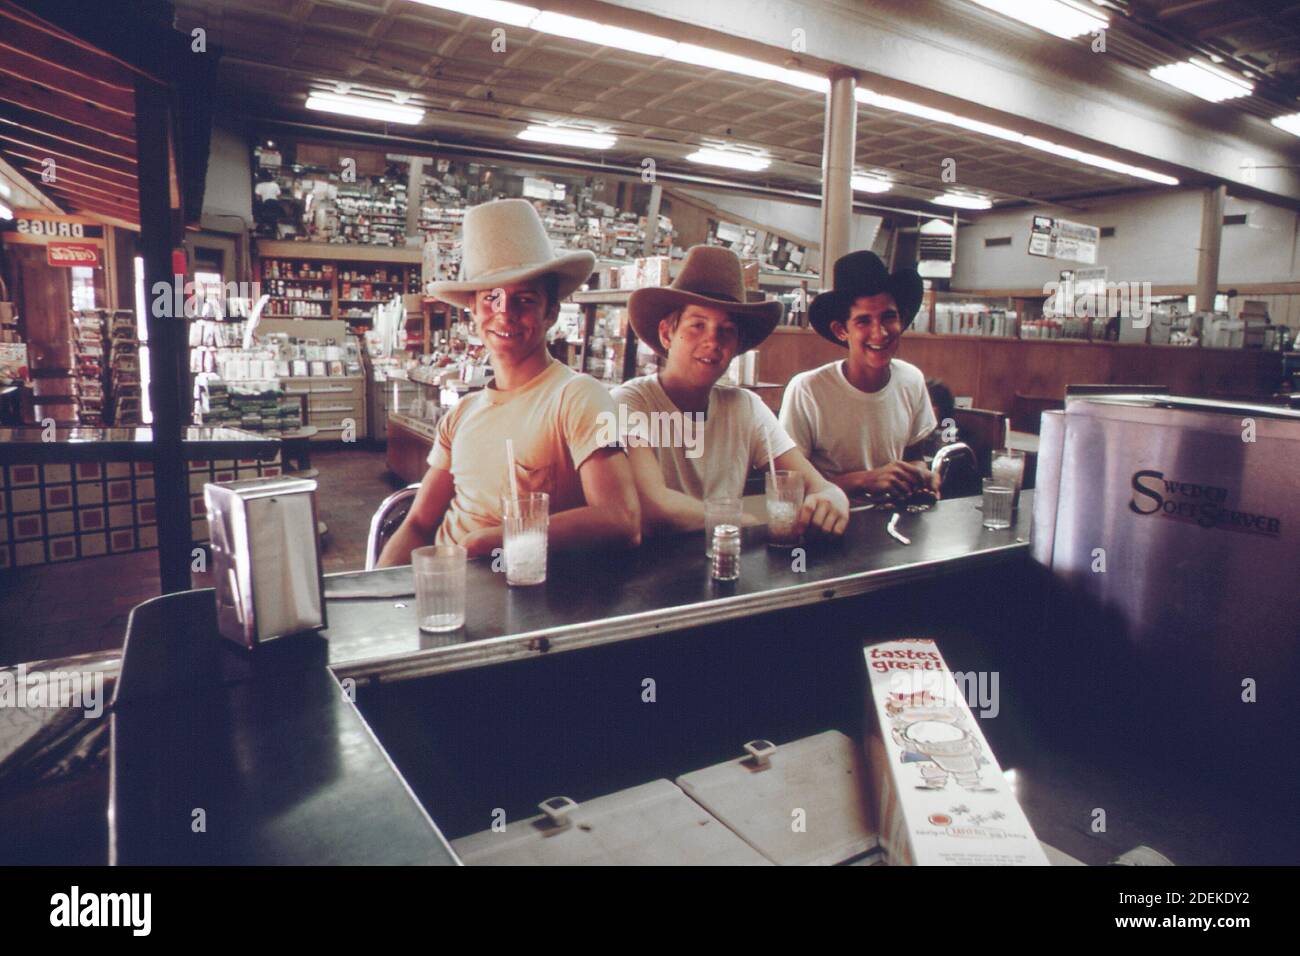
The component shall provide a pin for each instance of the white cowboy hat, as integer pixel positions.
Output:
(504, 242)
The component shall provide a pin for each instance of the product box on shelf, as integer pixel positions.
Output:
(939, 795)
(652, 271)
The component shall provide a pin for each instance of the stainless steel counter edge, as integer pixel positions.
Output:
(571, 637)
(370, 732)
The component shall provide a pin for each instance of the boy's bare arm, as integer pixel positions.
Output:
(663, 510)
(422, 521)
(612, 515)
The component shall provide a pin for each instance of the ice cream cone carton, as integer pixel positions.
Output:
(938, 793)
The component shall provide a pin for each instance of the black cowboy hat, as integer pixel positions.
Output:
(859, 274)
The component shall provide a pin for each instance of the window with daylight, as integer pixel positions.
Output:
(142, 333)
(83, 287)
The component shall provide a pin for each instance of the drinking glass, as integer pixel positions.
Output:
(524, 525)
(1009, 469)
(784, 499)
(997, 503)
(439, 586)
(719, 511)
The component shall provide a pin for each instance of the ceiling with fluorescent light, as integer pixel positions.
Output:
(276, 52)
(1260, 37)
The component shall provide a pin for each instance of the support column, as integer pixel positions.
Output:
(1207, 260)
(414, 197)
(652, 220)
(168, 336)
(838, 141)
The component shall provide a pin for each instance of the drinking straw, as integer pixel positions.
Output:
(510, 463)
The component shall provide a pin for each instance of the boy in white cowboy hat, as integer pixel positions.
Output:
(513, 283)
(860, 421)
(699, 324)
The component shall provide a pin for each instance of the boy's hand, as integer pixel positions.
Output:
(826, 510)
(897, 479)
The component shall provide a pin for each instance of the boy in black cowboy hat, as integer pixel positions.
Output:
(699, 324)
(860, 421)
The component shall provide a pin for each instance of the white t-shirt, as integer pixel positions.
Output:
(841, 428)
(709, 458)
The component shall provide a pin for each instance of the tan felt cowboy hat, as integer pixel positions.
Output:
(710, 275)
(504, 242)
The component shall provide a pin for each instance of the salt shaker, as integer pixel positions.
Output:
(725, 560)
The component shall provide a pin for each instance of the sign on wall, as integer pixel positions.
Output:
(69, 254)
(1063, 239)
(37, 228)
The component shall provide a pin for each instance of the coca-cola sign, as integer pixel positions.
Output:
(70, 254)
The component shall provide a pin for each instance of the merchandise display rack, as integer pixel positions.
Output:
(333, 281)
(124, 368)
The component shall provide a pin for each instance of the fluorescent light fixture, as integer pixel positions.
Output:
(729, 62)
(1058, 17)
(576, 28)
(871, 184)
(511, 14)
(5, 212)
(1203, 79)
(747, 162)
(962, 201)
(566, 136)
(1102, 162)
(600, 34)
(881, 101)
(1290, 123)
(385, 110)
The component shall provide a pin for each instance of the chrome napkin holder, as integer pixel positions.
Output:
(265, 558)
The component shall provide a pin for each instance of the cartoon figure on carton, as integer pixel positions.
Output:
(936, 737)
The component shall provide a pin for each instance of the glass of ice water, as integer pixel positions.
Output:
(1009, 469)
(524, 526)
(439, 586)
(998, 496)
(784, 499)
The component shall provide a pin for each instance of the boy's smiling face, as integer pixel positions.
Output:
(512, 320)
(872, 330)
(701, 345)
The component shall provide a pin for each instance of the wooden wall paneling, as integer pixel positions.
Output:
(316, 154)
(786, 353)
(992, 371)
(956, 361)
(370, 162)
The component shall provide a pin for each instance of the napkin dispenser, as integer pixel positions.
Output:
(265, 558)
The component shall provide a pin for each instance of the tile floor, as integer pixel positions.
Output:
(81, 607)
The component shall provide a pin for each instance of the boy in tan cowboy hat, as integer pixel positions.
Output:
(699, 324)
(513, 283)
(859, 421)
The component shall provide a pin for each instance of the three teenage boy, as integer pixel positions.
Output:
(609, 489)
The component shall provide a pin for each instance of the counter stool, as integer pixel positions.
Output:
(387, 519)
